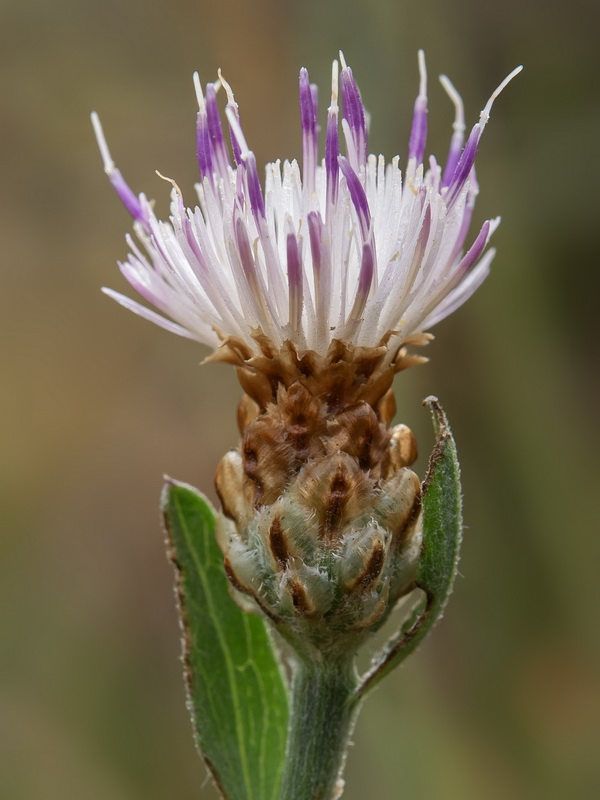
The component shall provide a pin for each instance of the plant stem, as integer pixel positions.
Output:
(321, 721)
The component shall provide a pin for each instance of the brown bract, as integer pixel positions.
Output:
(345, 374)
(299, 408)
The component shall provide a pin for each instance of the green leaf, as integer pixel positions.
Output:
(442, 537)
(236, 691)
(442, 518)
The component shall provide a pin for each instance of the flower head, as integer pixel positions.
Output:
(348, 251)
(313, 286)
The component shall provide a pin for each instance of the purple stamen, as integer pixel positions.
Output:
(357, 195)
(307, 112)
(239, 187)
(332, 143)
(367, 269)
(193, 244)
(203, 149)
(418, 133)
(315, 227)
(203, 145)
(456, 144)
(467, 159)
(255, 195)
(466, 220)
(129, 199)
(308, 119)
(365, 279)
(354, 114)
(127, 196)
(217, 142)
(294, 271)
(314, 93)
(332, 154)
(474, 252)
(237, 152)
(458, 136)
(245, 252)
(321, 265)
(464, 165)
(235, 129)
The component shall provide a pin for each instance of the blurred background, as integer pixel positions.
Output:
(96, 404)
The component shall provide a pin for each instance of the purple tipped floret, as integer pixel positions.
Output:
(127, 196)
(245, 252)
(194, 247)
(294, 264)
(217, 141)
(307, 110)
(464, 227)
(255, 195)
(136, 206)
(458, 136)
(365, 280)
(354, 114)
(332, 154)
(237, 151)
(295, 280)
(367, 270)
(474, 252)
(315, 227)
(203, 145)
(308, 118)
(357, 195)
(467, 159)
(454, 152)
(418, 133)
(232, 114)
(314, 93)
(464, 165)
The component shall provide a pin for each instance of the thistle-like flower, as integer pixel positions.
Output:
(315, 287)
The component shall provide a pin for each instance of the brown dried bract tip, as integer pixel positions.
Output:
(234, 493)
(247, 411)
(386, 408)
(403, 447)
(347, 373)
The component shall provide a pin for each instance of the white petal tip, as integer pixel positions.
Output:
(422, 74)
(227, 87)
(485, 114)
(109, 164)
(335, 71)
(198, 91)
(456, 99)
(236, 128)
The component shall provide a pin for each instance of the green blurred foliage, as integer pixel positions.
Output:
(95, 404)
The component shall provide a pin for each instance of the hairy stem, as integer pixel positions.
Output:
(321, 721)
